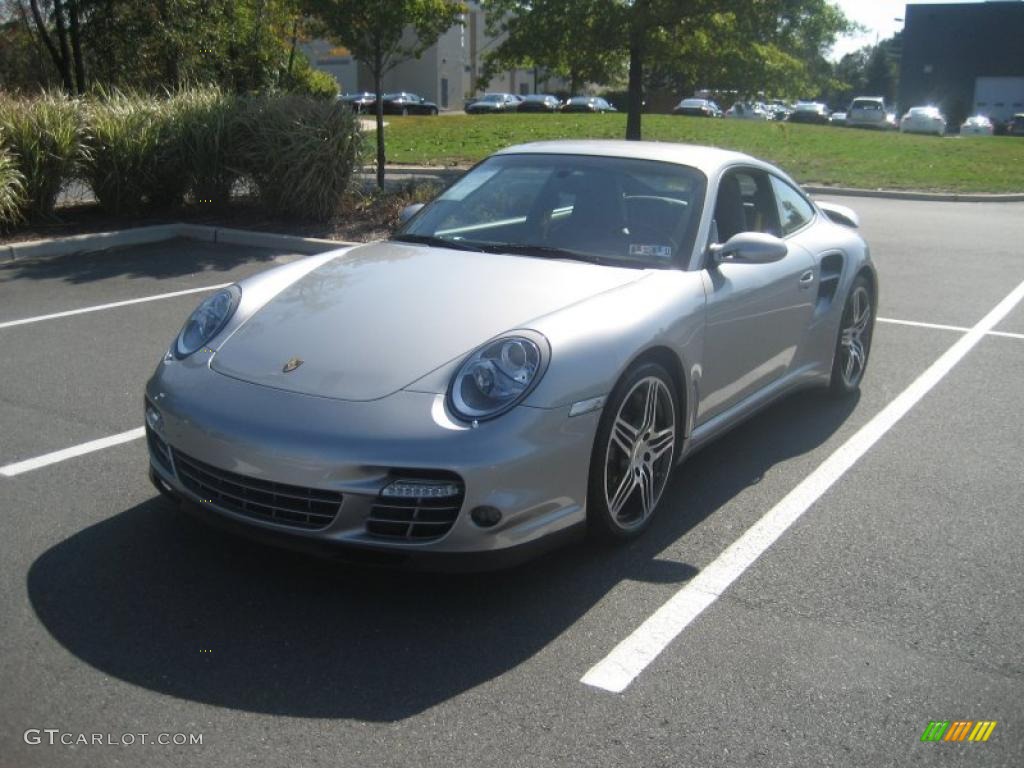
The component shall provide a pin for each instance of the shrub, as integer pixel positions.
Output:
(133, 152)
(205, 121)
(44, 136)
(12, 190)
(299, 152)
(304, 79)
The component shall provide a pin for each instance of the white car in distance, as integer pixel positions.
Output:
(977, 125)
(923, 120)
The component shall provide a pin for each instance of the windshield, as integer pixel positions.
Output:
(630, 212)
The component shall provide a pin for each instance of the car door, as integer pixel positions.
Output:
(756, 313)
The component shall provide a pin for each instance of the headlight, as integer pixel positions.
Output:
(496, 377)
(208, 319)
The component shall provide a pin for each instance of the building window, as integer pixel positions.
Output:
(444, 92)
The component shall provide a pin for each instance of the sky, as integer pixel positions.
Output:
(878, 16)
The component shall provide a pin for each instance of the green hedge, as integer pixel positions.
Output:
(44, 137)
(137, 152)
(12, 191)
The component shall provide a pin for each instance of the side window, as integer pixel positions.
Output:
(794, 211)
(745, 204)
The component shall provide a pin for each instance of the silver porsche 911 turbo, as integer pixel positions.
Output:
(527, 358)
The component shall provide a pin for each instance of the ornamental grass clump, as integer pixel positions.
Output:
(12, 191)
(205, 126)
(299, 152)
(43, 135)
(134, 159)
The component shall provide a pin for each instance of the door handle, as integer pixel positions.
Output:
(807, 279)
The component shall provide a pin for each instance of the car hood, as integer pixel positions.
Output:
(379, 317)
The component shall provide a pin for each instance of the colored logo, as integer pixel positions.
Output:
(291, 365)
(958, 730)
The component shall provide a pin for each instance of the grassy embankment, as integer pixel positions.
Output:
(811, 154)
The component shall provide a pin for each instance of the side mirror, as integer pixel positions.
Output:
(749, 248)
(408, 212)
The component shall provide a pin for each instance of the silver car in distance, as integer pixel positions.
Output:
(528, 358)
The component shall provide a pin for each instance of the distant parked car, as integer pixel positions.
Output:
(923, 120)
(810, 112)
(538, 102)
(587, 104)
(1016, 125)
(837, 118)
(869, 112)
(743, 110)
(697, 108)
(778, 109)
(360, 102)
(492, 103)
(978, 125)
(405, 103)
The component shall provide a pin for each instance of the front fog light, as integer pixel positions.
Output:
(422, 489)
(154, 419)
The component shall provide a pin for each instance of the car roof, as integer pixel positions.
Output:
(707, 159)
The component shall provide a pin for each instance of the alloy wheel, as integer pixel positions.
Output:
(639, 454)
(855, 336)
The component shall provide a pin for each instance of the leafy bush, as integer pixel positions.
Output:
(12, 190)
(44, 136)
(299, 152)
(304, 79)
(133, 152)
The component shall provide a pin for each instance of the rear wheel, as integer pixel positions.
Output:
(634, 453)
(854, 343)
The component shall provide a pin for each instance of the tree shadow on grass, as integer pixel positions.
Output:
(166, 603)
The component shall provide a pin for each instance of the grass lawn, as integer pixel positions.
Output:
(811, 154)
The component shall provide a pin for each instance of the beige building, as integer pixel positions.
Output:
(446, 73)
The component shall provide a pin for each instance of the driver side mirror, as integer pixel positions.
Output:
(408, 212)
(749, 248)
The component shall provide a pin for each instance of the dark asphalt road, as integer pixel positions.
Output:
(896, 599)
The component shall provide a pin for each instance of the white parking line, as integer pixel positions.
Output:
(10, 470)
(938, 327)
(630, 657)
(112, 305)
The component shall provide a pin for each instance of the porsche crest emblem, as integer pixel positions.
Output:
(291, 365)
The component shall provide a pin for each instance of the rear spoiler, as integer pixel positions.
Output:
(840, 214)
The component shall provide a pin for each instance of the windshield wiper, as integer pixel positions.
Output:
(550, 252)
(438, 242)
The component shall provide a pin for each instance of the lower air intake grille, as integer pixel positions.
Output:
(414, 518)
(260, 499)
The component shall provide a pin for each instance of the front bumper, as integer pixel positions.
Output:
(531, 464)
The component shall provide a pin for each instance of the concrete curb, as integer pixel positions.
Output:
(100, 241)
(932, 197)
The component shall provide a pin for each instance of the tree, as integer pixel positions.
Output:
(567, 38)
(382, 34)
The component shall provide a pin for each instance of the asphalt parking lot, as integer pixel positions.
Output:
(895, 599)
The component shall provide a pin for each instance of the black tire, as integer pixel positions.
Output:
(853, 342)
(615, 511)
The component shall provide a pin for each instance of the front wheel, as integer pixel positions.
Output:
(854, 343)
(634, 453)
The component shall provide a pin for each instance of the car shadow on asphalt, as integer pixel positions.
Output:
(159, 600)
(171, 258)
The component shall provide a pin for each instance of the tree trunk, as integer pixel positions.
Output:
(636, 91)
(62, 39)
(295, 39)
(62, 64)
(76, 47)
(378, 87)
